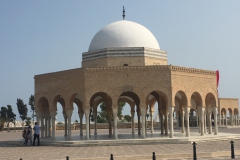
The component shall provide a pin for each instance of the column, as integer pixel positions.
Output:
(187, 111)
(220, 120)
(210, 119)
(222, 123)
(166, 123)
(133, 125)
(38, 117)
(81, 125)
(205, 122)
(110, 124)
(146, 125)
(53, 114)
(201, 111)
(151, 119)
(139, 123)
(143, 113)
(226, 120)
(215, 120)
(42, 126)
(237, 120)
(115, 112)
(197, 118)
(177, 117)
(95, 120)
(170, 110)
(49, 126)
(87, 112)
(69, 115)
(162, 124)
(90, 122)
(182, 120)
(65, 124)
(45, 126)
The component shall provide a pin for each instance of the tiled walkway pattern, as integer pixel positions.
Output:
(103, 152)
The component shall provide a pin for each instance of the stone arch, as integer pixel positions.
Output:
(160, 89)
(100, 96)
(223, 111)
(103, 89)
(235, 111)
(159, 97)
(43, 105)
(129, 88)
(182, 97)
(213, 92)
(78, 100)
(197, 98)
(132, 95)
(184, 92)
(61, 100)
(210, 100)
(129, 101)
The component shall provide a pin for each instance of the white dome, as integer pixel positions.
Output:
(123, 34)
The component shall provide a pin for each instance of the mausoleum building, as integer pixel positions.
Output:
(124, 63)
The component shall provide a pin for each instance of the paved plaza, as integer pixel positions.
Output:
(205, 150)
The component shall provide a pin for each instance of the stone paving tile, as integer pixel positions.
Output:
(60, 153)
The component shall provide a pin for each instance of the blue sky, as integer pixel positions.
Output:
(46, 36)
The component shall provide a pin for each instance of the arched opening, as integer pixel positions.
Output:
(223, 118)
(45, 119)
(196, 101)
(157, 106)
(59, 102)
(181, 101)
(101, 112)
(78, 116)
(128, 110)
(210, 117)
(230, 117)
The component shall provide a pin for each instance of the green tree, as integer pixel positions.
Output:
(22, 109)
(103, 116)
(127, 118)
(6, 116)
(28, 121)
(11, 117)
(31, 102)
(101, 120)
(3, 117)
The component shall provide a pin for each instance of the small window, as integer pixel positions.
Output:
(125, 65)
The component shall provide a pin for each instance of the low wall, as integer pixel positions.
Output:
(76, 126)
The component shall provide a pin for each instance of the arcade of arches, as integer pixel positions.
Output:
(124, 63)
(172, 98)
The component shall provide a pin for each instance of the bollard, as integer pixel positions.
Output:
(21, 159)
(232, 150)
(153, 156)
(67, 158)
(111, 157)
(194, 151)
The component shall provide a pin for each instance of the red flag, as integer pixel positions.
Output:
(217, 73)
